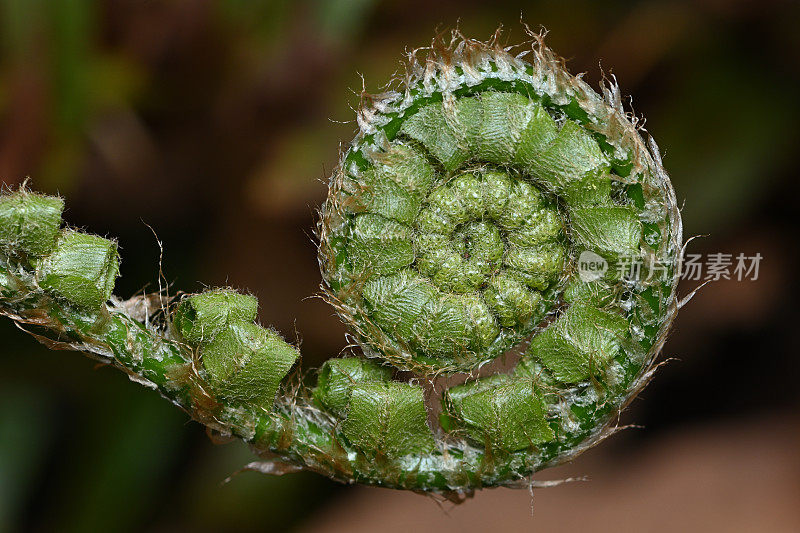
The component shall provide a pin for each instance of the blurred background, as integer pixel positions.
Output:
(216, 124)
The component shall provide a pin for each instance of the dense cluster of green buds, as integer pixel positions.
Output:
(454, 232)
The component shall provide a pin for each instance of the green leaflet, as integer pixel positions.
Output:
(29, 223)
(537, 135)
(568, 158)
(388, 418)
(501, 413)
(592, 190)
(505, 116)
(446, 135)
(200, 317)
(81, 269)
(612, 232)
(595, 293)
(246, 363)
(397, 301)
(338, 377)
(396, 184)
(380, 416)
(512, 302)
(443, 327)
(380, 246)
(580, 343)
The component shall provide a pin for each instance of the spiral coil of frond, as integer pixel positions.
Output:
(491, 201)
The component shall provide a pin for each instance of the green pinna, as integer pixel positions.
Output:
(492, 207)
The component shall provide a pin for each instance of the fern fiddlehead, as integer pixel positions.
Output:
(455, 230)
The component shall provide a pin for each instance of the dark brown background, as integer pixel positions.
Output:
(215, 123)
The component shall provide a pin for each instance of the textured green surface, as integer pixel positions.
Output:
(29, 223)
(580, 343)
(388, 418)
(200, 317)
(246, 363)
(501, 236)
(81, 269)
(452, 233)
(612, 232)
(466, 279)
(520, 181)
(337, 377)
(505, 414)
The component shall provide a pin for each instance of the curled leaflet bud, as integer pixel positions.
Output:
(30, 222)
(81, 269)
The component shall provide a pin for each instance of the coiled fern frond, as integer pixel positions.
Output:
(490, 202)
